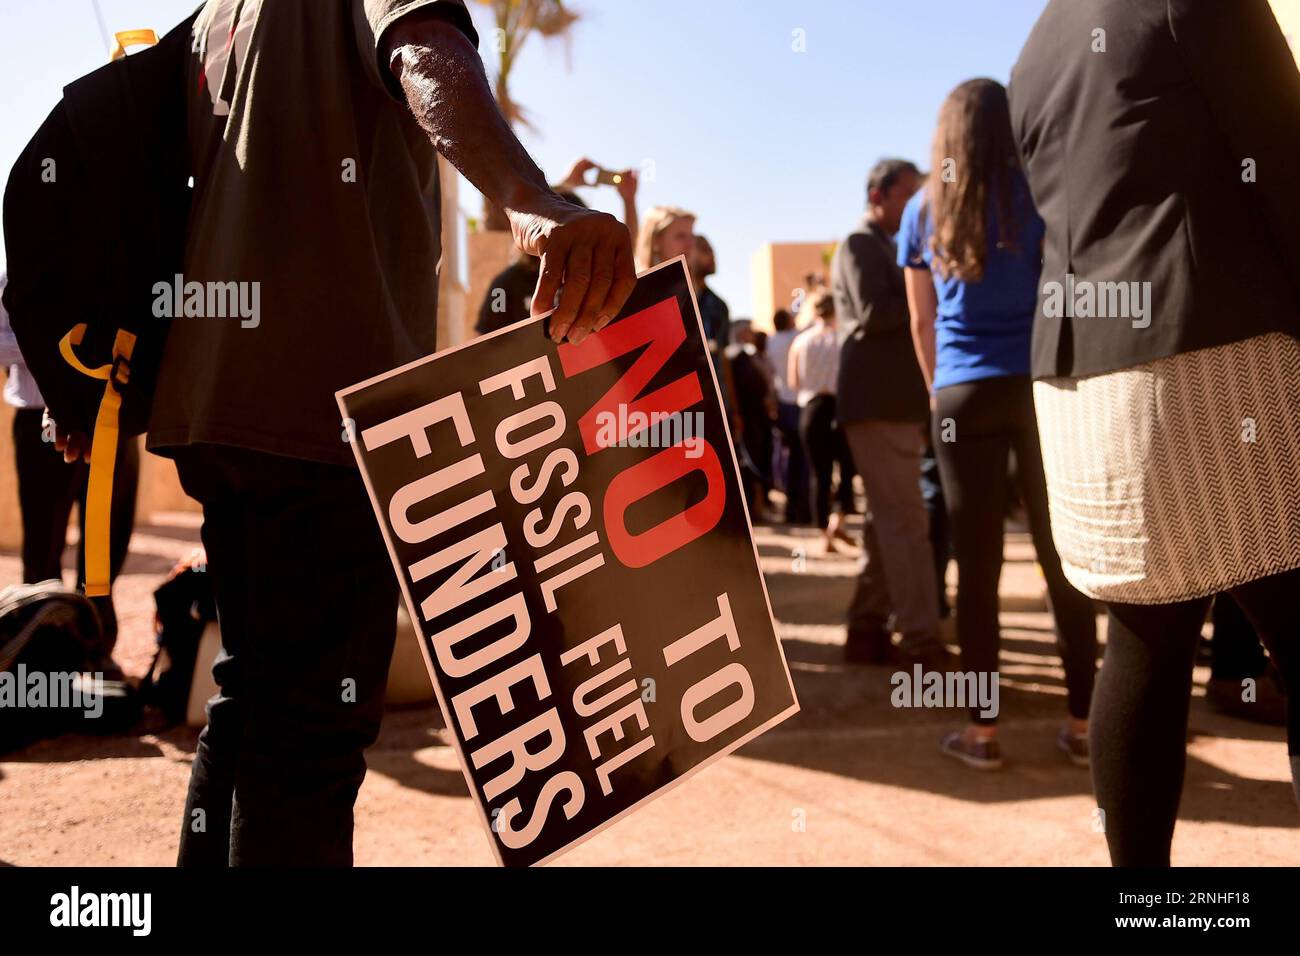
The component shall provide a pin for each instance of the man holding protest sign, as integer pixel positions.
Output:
(313, 129)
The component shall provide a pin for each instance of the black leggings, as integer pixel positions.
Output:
(1235, 649)
(976, 426)
(824, 442)
(1139, 727)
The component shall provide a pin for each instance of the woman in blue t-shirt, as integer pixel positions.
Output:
(970, 245)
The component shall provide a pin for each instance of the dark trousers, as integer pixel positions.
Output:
(825, 446)
(751, 475)
(986, 420)
(47, 488)
(1139, 726)
(795, 473)
(758, 442)
(307, 605)
(1235, 648)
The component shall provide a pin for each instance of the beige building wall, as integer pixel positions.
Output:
(778, 275)
(160, 489)
(452, 305)
(10, 520)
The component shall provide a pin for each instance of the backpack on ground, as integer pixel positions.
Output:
(54, 674)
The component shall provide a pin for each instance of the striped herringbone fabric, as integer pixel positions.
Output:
(1177, 478)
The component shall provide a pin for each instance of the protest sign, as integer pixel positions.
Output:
(572, 543)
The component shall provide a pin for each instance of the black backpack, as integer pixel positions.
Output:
(185, 605)
(95, 214)
(52, 637)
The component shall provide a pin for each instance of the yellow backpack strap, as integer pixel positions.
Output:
(126, 38)
(103, 451)
(103, 444)
(73, 339)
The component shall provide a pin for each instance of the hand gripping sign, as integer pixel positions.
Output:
(567, 526)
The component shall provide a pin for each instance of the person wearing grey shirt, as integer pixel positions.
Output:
(883, 408)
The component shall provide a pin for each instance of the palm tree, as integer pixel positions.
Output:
(515, 21)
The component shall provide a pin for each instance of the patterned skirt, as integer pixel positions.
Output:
(1177, 478)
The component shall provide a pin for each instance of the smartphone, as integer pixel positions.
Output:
(606, 177)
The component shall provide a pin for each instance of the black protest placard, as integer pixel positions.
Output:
(572, 544)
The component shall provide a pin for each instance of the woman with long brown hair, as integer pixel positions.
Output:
(970, 245)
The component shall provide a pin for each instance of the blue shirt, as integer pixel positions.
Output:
(983, 328)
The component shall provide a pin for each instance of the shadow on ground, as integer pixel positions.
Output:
(847, 726)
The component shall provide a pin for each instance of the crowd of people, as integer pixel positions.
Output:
(934, 366)
(927, 369)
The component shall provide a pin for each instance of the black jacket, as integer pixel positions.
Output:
(880, 379)
(1136, 157)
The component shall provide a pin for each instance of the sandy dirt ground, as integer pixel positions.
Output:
(850, 780)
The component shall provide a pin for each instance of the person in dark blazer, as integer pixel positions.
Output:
(1160, 140)
(883, 407)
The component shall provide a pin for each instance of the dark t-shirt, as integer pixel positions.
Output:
(509, 298)
(753, 383)
(316, 192)
(716, 319)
